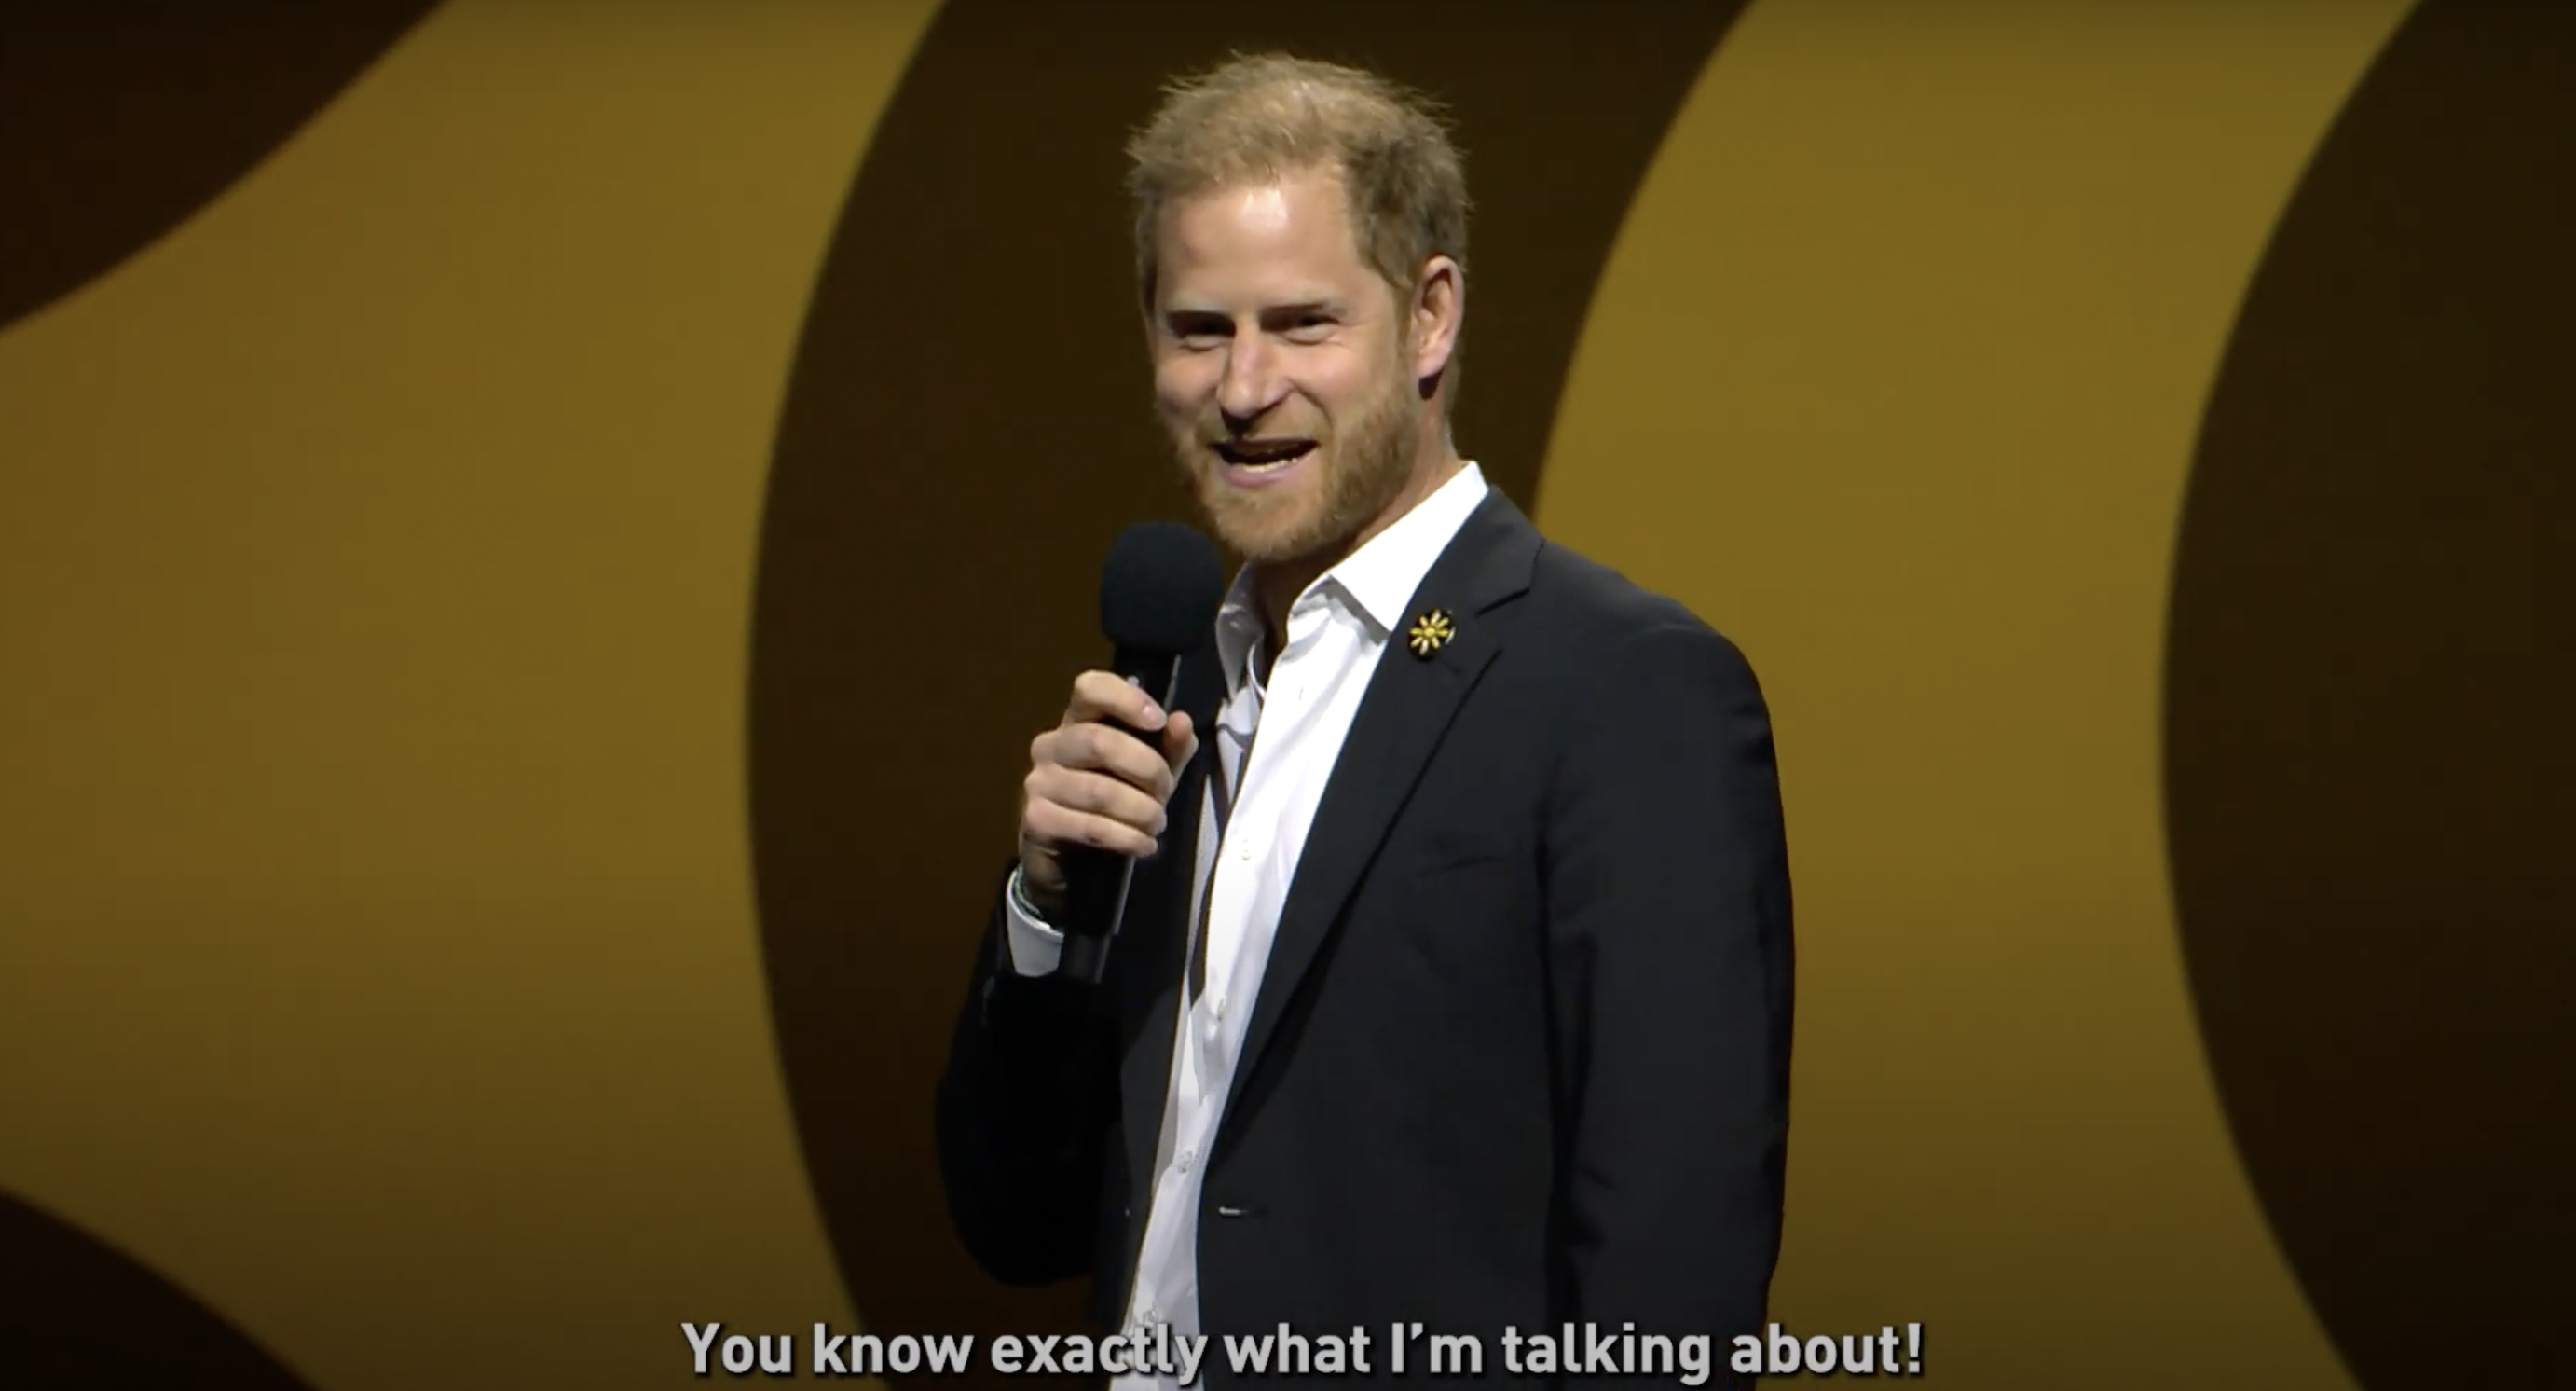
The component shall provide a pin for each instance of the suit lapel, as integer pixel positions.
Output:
(1410, 702)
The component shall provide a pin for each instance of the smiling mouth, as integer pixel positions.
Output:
(1262, 456)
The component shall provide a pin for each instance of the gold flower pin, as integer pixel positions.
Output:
(1430, 633)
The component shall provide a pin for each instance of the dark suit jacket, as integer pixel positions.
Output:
(1521, 1055)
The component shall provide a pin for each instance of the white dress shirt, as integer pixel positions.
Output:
(1253, 824)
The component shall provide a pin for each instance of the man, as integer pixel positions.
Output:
(1456, 988)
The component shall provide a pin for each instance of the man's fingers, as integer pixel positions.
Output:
(1097, 794)
(1112, 751)
(1055, 824)
(1180, 742)
(1092, 782)
(1105, 695)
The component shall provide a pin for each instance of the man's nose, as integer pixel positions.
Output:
(1250, 386)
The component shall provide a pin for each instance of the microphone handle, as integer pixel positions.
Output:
(1097, 881)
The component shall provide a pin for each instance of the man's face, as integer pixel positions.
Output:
(1283, 367)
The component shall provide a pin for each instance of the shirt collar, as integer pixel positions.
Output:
(1375, 582)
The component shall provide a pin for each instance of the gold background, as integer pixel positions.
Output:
(383, 599)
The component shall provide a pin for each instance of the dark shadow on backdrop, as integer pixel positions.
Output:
(78, 1315)
(968, 425)
(120, 120)
(2370, 768)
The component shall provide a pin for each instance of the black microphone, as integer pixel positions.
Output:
(1159, 594)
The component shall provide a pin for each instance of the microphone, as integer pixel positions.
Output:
(1159, 594)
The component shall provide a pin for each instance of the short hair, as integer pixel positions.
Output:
(1266, 116)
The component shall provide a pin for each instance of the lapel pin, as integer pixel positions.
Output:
(1430, 633)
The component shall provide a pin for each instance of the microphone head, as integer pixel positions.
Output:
(1160, 590)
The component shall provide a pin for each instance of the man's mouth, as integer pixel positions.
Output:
(1262, 456)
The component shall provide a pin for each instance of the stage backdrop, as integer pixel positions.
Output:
(534, 535)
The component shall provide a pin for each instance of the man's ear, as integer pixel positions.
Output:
(1439, 309)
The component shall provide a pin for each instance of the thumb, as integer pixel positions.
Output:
(1180, 739)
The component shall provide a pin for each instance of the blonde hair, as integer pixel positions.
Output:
(1266, 116)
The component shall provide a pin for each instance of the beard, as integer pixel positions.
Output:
(1358, 469)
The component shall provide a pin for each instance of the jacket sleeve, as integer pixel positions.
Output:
(1670, 954)
(1024, 1112)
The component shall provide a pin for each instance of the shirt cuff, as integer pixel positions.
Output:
(1035, 948)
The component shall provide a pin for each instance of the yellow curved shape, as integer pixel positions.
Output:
(379, 950)
(1895, 376)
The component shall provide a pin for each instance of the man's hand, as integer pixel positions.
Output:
(1092, 783)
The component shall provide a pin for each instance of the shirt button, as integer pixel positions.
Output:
(1152, 1317)
(1216, 1006)
(1188, 1158)
(1244, 854)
